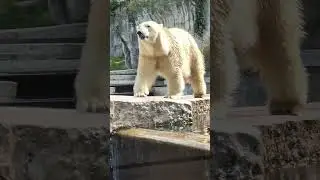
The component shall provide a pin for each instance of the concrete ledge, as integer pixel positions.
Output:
(53, 144)
(142, 154)
(157, 112)
(251, 143)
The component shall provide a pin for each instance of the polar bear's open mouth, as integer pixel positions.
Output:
(141, 35)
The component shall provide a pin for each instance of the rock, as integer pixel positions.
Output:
(251, 144)
(50, 144)
(142, 154)
(8, 91)
(157, 112)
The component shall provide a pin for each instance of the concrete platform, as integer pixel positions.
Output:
(156, 112)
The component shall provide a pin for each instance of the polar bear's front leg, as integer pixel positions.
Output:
(91, 81)
(146, 75)
(223, 62)
(176, 85)
(140, 88)
(92, 91)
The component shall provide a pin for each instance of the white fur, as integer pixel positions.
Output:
(265, 34)
(171, 53)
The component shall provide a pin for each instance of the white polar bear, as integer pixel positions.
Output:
(265, 34)
(171, 53)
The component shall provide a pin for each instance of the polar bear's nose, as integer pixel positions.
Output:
(141, 35)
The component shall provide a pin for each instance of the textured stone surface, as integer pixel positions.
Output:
(8, 91)
(156, 112)
(141, 154)
(298, 173)
(251, 144)
(50, 144)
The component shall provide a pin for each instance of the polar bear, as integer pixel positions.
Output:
(171, 53)
(264, 34)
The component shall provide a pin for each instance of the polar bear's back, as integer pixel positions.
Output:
(182, 36)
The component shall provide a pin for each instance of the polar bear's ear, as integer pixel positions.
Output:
(161, 25)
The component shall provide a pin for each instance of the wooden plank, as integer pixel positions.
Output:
(131, 83)
(64, 103)
(311, 57)
(11, 67)
(40, 51)
(61, 33)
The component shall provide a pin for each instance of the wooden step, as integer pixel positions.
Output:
(40, 51)
(61, 33)
(37, 66)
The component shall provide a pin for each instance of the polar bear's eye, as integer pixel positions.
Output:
(147, 26)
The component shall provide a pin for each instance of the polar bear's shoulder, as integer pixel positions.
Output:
(178, 32)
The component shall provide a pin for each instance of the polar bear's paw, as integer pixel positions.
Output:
(140, 94)
(93, 105)
(174, 96)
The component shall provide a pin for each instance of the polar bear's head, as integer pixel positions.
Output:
(148, 30)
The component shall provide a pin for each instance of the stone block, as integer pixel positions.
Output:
(51, 144)
(142, 154)
(8, 91)
(251, 144)
(157, 112)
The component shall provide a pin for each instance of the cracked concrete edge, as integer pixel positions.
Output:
(253, 148)
(18, 141)
(191, 140)
(52, 118)
(157, 112)
(236, 150)
(138, 146)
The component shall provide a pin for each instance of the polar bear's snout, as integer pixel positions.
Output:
(141, 35)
